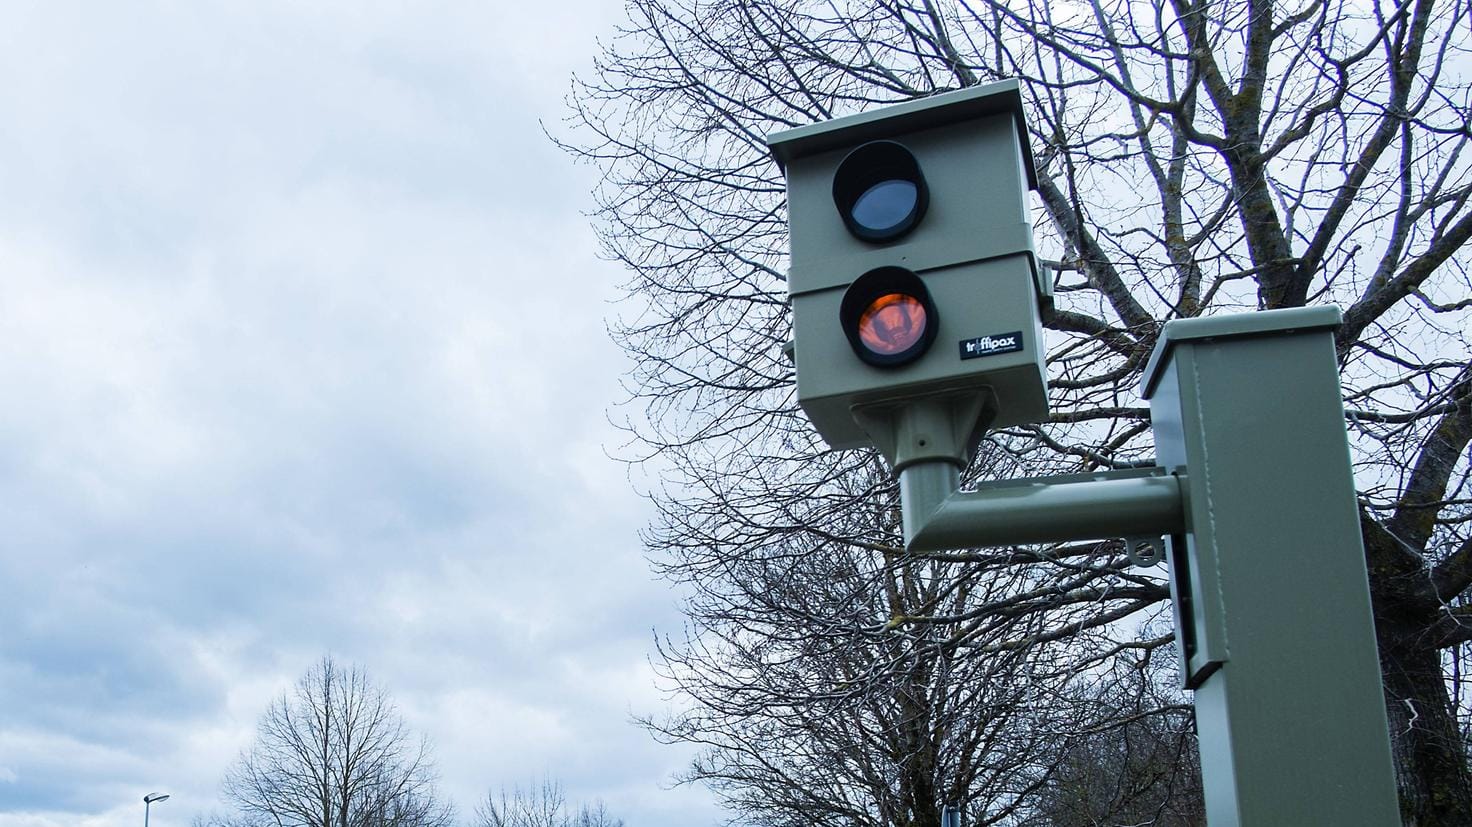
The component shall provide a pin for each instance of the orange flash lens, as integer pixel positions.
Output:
(892, 323)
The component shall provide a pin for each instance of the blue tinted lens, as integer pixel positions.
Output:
(885, 205)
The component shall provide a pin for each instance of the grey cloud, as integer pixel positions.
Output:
(304, 354)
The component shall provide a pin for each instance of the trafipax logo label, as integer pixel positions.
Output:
(991, 345)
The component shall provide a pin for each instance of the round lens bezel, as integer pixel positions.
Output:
(864, 291)
(868, 166)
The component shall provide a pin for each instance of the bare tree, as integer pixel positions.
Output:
(594, 815)
(816, 713)
(1193, 157)
(541, 804)
(334, 753)
(1133, 762)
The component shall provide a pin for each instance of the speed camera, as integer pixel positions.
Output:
(912, 273)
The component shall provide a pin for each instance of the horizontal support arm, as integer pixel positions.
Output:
(1050, 509)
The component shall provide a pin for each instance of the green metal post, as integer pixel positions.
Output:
(1272, 601)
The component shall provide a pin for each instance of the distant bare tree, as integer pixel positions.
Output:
(541, 804)
(594, 815)
(1193, 157)
(334, 753)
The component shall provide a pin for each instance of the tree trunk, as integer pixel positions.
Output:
(1432, 775)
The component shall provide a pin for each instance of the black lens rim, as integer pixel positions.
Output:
(871, 164)
(879, 282)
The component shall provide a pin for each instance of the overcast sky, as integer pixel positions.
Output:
(302, 352)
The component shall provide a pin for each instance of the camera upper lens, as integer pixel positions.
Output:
(880, 192)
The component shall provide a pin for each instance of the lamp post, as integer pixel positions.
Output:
(148, 802)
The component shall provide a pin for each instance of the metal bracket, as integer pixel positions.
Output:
(1137, 503)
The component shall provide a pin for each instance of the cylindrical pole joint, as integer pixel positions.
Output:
(924, 487)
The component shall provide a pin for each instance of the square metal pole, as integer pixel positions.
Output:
(1272, 598)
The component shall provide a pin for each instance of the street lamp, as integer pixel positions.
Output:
(148, 802)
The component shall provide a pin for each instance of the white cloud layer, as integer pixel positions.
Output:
(302, 349)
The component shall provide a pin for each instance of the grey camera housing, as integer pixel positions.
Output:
(973, 250)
